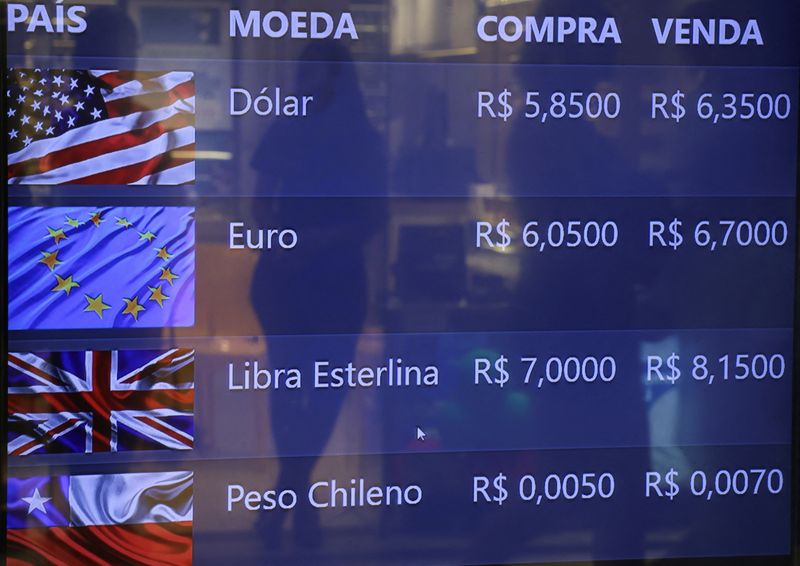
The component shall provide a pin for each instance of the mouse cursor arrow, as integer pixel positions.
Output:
(420, 434)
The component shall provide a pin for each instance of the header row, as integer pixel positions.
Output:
(728, 32)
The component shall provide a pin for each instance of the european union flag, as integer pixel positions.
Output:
(107, 267)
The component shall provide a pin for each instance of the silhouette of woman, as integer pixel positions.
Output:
(319, 287)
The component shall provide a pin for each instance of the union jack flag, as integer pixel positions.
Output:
(100, 401)
(100, 127)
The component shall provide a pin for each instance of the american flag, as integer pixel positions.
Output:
(100, 401)
(100, 127)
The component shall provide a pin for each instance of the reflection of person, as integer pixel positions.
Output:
(320, 286)
(549, 159)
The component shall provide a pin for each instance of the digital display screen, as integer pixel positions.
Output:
(401, 282)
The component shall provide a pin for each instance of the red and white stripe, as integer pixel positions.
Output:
(45, 377)
(148, 137)
(51, 427)
(163, 372)
(151, 425)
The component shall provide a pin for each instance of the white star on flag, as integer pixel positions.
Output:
(36, 501)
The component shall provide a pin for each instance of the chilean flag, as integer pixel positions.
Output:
(138, 518)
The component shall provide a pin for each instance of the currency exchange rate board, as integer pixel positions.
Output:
(400, 281)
